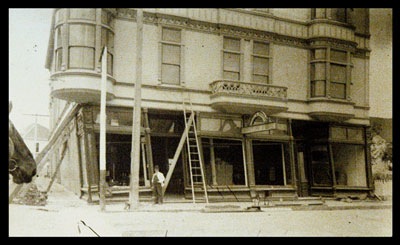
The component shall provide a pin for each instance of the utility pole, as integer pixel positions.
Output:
(135, 148)
(103, 130)
(36, 131)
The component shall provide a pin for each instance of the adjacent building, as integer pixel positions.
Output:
(36, 137)
(281, 98)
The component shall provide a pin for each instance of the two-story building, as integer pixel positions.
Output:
(281, 98)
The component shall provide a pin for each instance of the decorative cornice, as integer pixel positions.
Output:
(232, 30)
(332, 42)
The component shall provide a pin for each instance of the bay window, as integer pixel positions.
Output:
(75, 35)
(330, 73)
(82, 46)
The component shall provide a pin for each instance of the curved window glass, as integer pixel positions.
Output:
(335, 82)
(82, 46)
(75, 35)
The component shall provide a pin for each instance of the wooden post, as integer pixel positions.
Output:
(149, 152)
(135, 149)
(212, 158)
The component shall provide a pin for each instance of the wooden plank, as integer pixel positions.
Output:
(178, 152)
(58, 167)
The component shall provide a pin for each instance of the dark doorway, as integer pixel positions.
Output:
(164, 149)
(118, 160)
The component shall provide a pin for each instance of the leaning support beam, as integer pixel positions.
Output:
(178, 152)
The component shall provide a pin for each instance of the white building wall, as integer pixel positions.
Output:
(290, 69)
(203, 59)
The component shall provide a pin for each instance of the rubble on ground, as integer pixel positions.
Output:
(32, 196)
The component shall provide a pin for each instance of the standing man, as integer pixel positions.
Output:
(158, 184)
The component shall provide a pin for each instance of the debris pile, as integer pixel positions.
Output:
(32, 196)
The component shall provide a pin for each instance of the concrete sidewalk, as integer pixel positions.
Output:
(329, 204)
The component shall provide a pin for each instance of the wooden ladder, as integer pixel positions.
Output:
(195, 160)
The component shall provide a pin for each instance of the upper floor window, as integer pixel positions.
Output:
(79, 36)
(338, 14)
(171, 56)
(82, 46)
(58, 49)
(330, 73)
(231, 59)
(260, 62)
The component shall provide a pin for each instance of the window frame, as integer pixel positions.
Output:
(285, 164)
(64, 21)
(164, 43)
(235, 52)
(263, 56)
(328, 63)
(242, 141)
(82, 45)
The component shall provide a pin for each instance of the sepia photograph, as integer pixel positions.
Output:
(200, 122)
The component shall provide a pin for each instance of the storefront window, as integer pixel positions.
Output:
(271, 162)
(349, 163)
(223, 160)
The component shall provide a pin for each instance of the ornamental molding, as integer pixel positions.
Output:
(333, 43)
(80, 126)
(235, 31)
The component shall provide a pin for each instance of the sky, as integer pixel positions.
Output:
(29, 89)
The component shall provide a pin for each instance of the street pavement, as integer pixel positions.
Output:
(64, 212)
